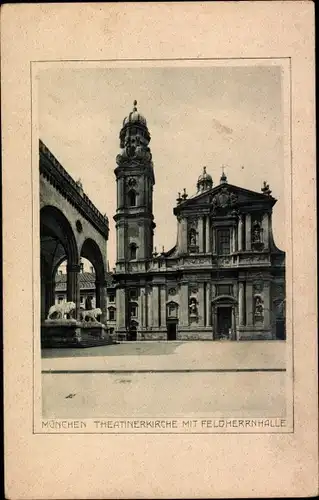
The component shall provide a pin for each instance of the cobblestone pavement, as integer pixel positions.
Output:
(188, 379)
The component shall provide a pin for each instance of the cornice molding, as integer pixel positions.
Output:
(60, 179)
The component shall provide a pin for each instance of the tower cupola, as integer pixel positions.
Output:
(134, 117)
(134, 138)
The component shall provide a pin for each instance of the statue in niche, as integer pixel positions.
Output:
(192, 238)
(259, 308)
(256, 236)
(193, 310)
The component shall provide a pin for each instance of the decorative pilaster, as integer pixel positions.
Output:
(208, 305)
(179, 233)
(240, 233)
(121, 308)
(233, 240)
(121, 240)
(142, 247)
(163, 306)
(184, 304)
(149, 310)
(265, 227)
(213, 240)
(266, 297)
(208, 247)
(155, 300)
(183, 234)
(249, 303)
(200, 234)
(241, 300)
(141, 309)
(248, 232)
(201, 307)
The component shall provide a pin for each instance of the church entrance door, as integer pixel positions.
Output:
(133, 333)
(224, 323)
(171, 330)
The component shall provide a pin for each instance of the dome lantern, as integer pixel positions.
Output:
(205, 181)
(223, 179)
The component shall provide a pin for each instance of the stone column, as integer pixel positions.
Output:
(49, 295)
(265, 227)
(121, 309)
(201, 309)
(155, 300)
(200, 234)
(73, 288)
(184, 304)
(241, 299)
(101, 299)
(208, 247)
(240, 233)
(267, 312)
(248, 232)
(249, 303)
(163, 306)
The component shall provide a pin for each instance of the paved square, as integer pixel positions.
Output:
(167, 379)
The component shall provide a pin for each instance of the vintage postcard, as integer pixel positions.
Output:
(159, 238)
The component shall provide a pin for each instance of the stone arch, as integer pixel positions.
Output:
(57, 242)
(91, 251)
(54, 223)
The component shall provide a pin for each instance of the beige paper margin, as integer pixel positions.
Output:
(149, 466)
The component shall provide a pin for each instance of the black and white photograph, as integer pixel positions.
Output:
(163, 233)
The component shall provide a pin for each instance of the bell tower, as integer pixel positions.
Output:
(135, 180)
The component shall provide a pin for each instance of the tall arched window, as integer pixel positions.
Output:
(133, 251)
(132, 198)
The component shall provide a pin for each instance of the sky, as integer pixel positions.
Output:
(209, 116)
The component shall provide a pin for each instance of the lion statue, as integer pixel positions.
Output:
(61, 311)
(91, 315)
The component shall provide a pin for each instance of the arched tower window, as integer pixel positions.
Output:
(133, 251)
(132, 198)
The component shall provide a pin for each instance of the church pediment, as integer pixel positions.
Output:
(225, 197)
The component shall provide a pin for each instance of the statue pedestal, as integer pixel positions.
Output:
(73, 333)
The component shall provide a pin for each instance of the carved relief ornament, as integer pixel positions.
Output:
(224, 199)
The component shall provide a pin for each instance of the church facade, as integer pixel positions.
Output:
(223, 280)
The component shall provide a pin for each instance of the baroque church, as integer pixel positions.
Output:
(223, 280)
